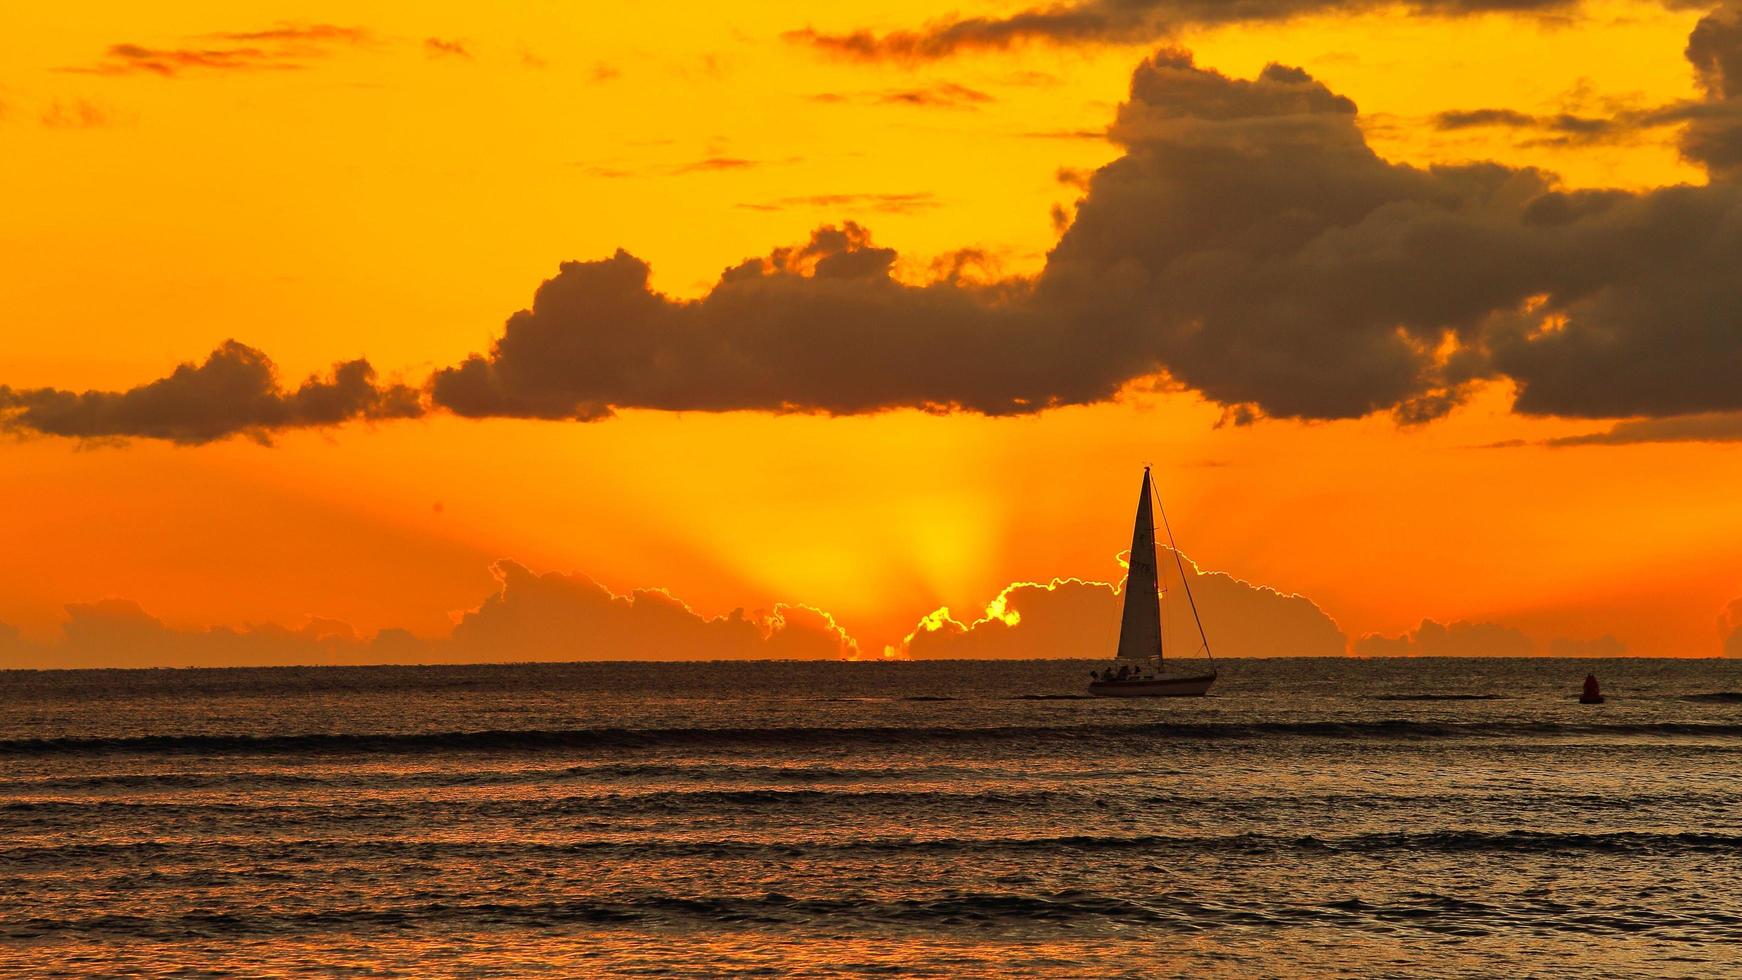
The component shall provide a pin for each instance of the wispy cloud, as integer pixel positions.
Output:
(884, 203)
(940, 95)
(1576, 129)
(316, 33)
(948, 95)
(716, 163)
(1065, 134)
(73, 114)
(437, 47)
(285, 47)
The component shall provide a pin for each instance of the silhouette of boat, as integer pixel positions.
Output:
(1140, 622)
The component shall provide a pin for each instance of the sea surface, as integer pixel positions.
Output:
(1352, 818)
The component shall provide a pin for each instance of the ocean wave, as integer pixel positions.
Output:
(1425, 910)
(608, 803)
(1716, 697)
(632, 738)
(232, 852)
(388, 779)
(1439, 697)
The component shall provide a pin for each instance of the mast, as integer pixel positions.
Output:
(1140, 623)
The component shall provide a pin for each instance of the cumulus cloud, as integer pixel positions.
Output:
(571, 617)
(1248, 244)
(1097, 22)
(1714, 139)
(1068, 618)
(824, 326)
(1275, 260)
(235, 391)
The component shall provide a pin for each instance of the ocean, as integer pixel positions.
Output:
(959, 819)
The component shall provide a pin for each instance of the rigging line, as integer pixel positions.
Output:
(1174, 547)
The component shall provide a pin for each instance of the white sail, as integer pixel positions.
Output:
(1140, 626)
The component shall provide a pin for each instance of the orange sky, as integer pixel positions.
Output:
(390, 198)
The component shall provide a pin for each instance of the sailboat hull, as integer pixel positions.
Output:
(1156, 687)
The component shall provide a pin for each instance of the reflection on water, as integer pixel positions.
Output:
(840, 819)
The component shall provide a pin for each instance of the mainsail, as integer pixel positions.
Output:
(1140, 627)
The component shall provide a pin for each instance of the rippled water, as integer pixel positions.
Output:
(947, 819)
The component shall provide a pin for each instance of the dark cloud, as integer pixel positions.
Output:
(235, 391)
(1563, 128)
(1707, 427)
(821, 327)
(1248, 243)
(1068, 618)
(1474, 118)
(1097, 22)
(280, 48)
(1714, 139)
(1273, 259)
(1708, 124)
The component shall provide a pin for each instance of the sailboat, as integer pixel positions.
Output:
(1140, 623)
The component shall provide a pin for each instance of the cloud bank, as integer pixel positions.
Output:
(1247, 244)
(1467, 639)
(553, 616)
(550, 617)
